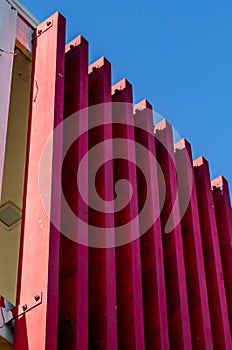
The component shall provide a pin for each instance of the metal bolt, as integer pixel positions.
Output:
(67, 321)
(37, 297)
(24, 307)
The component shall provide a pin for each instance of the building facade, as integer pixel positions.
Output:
(112, 236)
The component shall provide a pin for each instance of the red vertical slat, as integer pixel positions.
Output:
(39, 269)
(193, 254)
(222, 208)
(129, 281)
(176, 289)
(102, 273)
(154, 294)
(212, 258)
(73, 290)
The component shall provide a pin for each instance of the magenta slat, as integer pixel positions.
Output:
(129, 281)
(176, 289)
(154, 294)
(212, 258)
(96, 270)
(73, 287)
(222, 209)
(194, 263)
(39, 252)
(102, 270)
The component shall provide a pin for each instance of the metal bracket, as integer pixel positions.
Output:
(20, 310)
(66, 325)
(40, 30)
(94, 71)
(117, 92)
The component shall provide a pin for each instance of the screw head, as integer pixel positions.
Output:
(37, 298)
(67, 321)
(24, 307)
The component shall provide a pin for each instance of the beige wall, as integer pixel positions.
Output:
(13, 178)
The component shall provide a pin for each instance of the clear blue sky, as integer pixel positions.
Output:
(177, 54)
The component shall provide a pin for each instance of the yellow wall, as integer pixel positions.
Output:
(13, 179)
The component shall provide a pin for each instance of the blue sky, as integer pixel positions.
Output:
(177, 54)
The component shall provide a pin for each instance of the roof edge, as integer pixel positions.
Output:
(33, 21)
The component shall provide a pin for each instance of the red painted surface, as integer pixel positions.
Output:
(2, 302)
(39, 254)
(73, 287)
(129, 280)
(102, 270)
(212, 258)
(154, 295)
(222, 209)
(176, 290)
(194, 263)
(162, 290)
